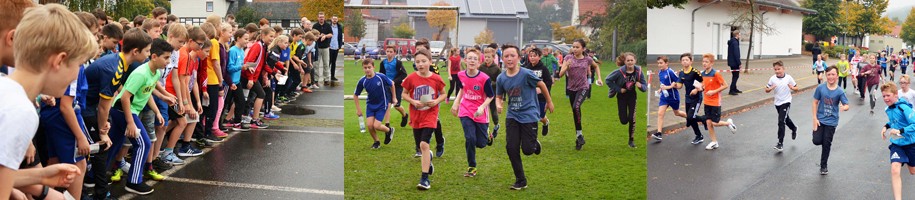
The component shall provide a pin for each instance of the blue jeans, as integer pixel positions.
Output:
(475, 137)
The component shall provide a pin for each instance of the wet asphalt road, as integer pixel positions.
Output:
(297, 157)
(747, 167)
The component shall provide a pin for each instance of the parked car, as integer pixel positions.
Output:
(370, 46)
(437, 48)
(349, 49)
(556, 47)
(404, 47)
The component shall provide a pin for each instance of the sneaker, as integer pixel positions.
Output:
(125, 166)
(172, 159)
(212, 138)
(431, 169)
(631, 143)
(711, 146)
(417, 155)
(824, 171)
(282, 99)
(189, 151)
(220, 134)
(857, 92)
(275, 109)
(241, 127)
(389, 136)
(376, 145)
(471, 172)
(519, 186)
(793, 133)
(204, 143)
(439, 151)
(698, 140)
(258, 125)
(489, 140)
(228, 123)
(495, 131)
(88, 185)
(160, 166)
(141, 188)
(579, 142)
(153, 175)
(657, 136)
(117, 175)
(271, 116)
(732, 126)
(404, 119)
(537, 147)
(424, 184)
(546, 129)
(778, 147)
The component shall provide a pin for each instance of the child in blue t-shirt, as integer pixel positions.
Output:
(380, 91)
(668, 94)
(829, 99)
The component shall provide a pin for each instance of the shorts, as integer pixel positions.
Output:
(902, 154)
(62, 144)
(376, 111)
(713, 113)
(148, 117)
(173, 113)
(163, 110)
(673, 104)
(425, 134)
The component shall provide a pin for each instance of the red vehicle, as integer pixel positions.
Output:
(404, 46)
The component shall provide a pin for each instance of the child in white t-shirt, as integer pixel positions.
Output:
(783, 84)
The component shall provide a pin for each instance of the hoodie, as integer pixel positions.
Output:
(902, 118)
(619, 79)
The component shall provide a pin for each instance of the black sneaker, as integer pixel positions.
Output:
(698, 140)
(793, 133)
(431, 169)
(658, 136)
(546, 129)
(579, 142)
(519, 185)
(537, 147)
(824, 171)
(631, 143)
(141, 188)
(203, 143)
(404, 119)
(160, 166)
(495, 131)
(439, 150)
(778, 147)
(389, 136)
(376, 145)
(212, 138)
(489, 140)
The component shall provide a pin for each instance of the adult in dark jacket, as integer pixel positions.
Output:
(322, 67)
(734, 61)
(335, 43)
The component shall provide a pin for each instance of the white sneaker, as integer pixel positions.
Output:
(732, 126)
(857, 92)
(276, 109)
(712, 146)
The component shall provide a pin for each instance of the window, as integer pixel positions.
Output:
(209, 6)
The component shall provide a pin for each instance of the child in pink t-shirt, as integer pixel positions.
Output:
(473, 97)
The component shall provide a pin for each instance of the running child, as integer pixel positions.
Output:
(712, 85)
(691, 82)
(539, 68)
(623, 83)
(900, 128)
(392, 67)
(454, 66)
(843, 66)
(904, 91)
(491, 68)
(130, 101)
(470, 105)
(871, 78)
(517, 86)
(819, 66)
(423, 90)
(828, 99)
(578, 67)
(668, 94)
(380, 91)
(783, 84)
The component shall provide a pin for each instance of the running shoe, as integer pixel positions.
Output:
(404, 119)
(188, 150)
(711, 146)
(153, 175)
(376, 145)
(579, 142)
(271, 116)
(389, 136)
(698, 140)
(241, 127)
(258, 125)
(732, 126)
(220, 134)
(275, 109)
(519, 185)
(424, 184)
(657, 136)
(172, 159)
(117, 175)
(160, 165)
(212, 138)
(471, 172)
(824, 171)
(778, 147)
(439, 150)
(141, 188)
(631, 143)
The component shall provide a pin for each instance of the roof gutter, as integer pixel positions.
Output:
(692, 28)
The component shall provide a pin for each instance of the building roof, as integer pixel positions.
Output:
(896, 31)
(277, 10)
(478, 9)
(783, 4)
(596, 7)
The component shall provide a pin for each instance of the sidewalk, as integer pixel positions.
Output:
(752, 84)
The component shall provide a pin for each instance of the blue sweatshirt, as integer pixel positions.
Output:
(902, 118)
(236, 58)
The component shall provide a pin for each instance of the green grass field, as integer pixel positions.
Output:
(606, 168)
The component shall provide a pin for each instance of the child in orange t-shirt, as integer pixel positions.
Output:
(712, 85)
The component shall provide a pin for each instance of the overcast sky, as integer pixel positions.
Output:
(896, 4)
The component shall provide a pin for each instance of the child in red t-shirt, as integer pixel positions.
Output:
(423, 90)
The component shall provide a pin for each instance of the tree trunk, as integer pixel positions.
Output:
(746, 64)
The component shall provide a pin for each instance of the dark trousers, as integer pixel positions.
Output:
(523, 136)
(693, 118)
(735, 75)
(98, 161)
(333, 63)
(576, 98)
(827, 132)
(626, 106)
(238, 97)
(211, 110)
(474, 137)
(784, 119)
(452, 84)
(492, 112)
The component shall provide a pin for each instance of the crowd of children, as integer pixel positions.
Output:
(116, 100)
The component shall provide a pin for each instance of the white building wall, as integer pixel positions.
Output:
(371, 29)
(669, 31)
(198, 8)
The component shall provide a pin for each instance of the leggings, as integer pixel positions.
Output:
(576, 98)
(626, 107)
(452, 84)
(843, 82)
